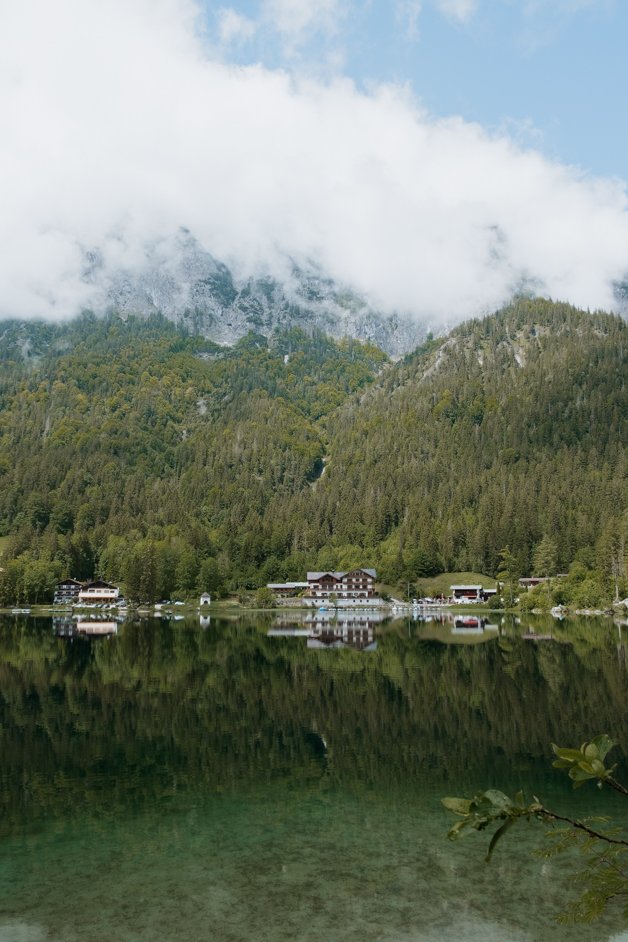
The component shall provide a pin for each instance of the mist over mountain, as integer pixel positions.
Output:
(180, 280)
(435, 217)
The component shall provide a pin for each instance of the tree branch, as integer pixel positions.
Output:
(552, 816)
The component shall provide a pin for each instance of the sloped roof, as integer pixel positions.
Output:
(313, 576)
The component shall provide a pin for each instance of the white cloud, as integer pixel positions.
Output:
(117, 130)
(461, 10)
(233, 27)
(565, 7)
(297, 20)
(408, 13)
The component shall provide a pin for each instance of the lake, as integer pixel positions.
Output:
(276, 779)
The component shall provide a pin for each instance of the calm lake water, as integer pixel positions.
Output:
(274, 780)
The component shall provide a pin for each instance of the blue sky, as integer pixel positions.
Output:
(435, 156)
(552, 73)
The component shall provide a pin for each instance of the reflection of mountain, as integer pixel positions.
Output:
(163, 703)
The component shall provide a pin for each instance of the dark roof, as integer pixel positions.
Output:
(339, 575)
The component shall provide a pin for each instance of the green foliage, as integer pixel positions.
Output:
(264, 598)
(508, 574)
(581, 589)
(138, 452)
(488, 808)
(604, 876)
(587, 762)
(544, 557)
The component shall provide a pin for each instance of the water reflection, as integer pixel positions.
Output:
(329, 630)
(211, 781)
(92, 626)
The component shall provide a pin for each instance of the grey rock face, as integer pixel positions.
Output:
(187, 285)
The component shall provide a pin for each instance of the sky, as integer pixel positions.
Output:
(434, 155)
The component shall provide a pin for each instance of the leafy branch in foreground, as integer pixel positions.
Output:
(604, 877)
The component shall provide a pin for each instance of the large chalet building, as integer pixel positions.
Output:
(72, 592)
(356, 584)
(350, 587)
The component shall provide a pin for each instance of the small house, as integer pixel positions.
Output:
(531, 581)
(287, 590)
(467, 593)
(205, 599)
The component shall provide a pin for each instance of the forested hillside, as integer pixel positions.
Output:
(139, 453)
(512, 428)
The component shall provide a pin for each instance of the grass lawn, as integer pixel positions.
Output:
(441, 584)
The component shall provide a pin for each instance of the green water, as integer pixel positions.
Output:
(179, 782)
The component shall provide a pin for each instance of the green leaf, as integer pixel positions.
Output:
(457, 805)
(508, 823)
(498, 799)
(603, 744)
(586, 767)
(573, 755)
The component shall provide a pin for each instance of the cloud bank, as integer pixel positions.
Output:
(120, 125)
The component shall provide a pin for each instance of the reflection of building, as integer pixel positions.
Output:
(98, 592)
(326, 630)
(64, 627)
(532, 635)
(67, 592)
(69, 627)
(343, 635)
(470, 624)
(97, 627)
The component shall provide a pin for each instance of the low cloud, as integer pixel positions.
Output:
(119, 128)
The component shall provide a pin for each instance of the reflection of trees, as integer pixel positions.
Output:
(163, 707)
